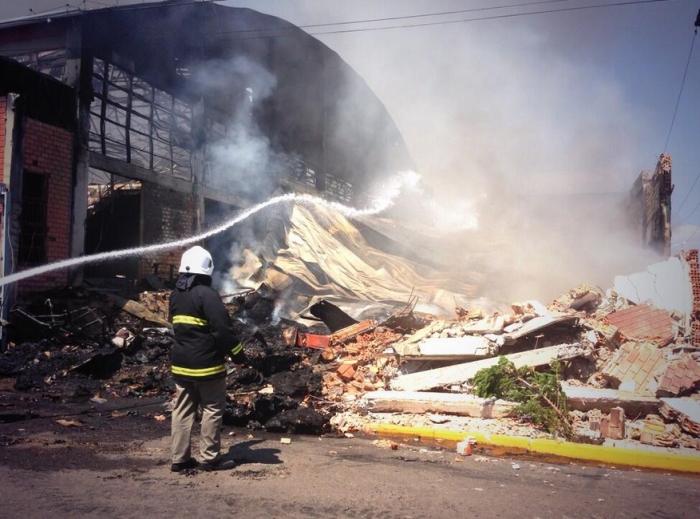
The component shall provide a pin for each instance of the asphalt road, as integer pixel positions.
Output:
(117, 467)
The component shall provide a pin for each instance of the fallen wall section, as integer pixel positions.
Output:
(461, 373)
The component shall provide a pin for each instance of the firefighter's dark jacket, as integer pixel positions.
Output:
(204, 333)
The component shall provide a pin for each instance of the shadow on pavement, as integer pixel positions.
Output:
(242, 453)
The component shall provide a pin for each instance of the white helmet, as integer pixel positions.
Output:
(196, 260)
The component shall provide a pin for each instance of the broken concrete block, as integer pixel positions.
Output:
(498, 340)
(613, 426)
(537, 324)
(656, 432)
(587, 302)
(636, 367)
(532, 308)
(468, 313)
(420, 402)
(469, 347)
(138, 310)
(607, 333)
(466, 446)
(123, 338)
(583, 398)
(665, 285)
(462, 373)
(685, 411)
(513, 327)
(492, 324)
(409, 345)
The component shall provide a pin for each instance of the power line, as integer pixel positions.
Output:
(680, 91)
(689, 238)
(675, 110)
(678, 211)
(413, 16)
(155, 5)
(493, 17)
(271, 33)
(54, 9)
(691, 213)
(279, 32)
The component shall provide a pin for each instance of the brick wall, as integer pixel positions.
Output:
(3, 124)
(48, 150)
(167, 215)
(691, 258)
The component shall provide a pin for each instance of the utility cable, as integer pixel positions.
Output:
(58, 9)
(687, 194)
(273, 32)
(675, 110)
(680, 91)
(412, 16)
(691, 213)
(155, 5)
(689, 238)
(493, 17)
(282, 32)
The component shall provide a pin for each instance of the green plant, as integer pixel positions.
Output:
(538, 394)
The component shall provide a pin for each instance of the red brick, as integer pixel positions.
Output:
(681, 376)
(643, 322)
(49, 150)
(346, 372)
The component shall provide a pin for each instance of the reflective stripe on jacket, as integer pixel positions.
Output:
(203, 330)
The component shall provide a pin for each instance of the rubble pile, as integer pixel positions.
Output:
(278, 389)
(357, 366)
(630, 371)
(126, 353)
(618, 368)
(156, 302)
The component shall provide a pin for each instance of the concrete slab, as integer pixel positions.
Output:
(461, 373)
(586, 398)
(426, 402)
(469, 347)
(665, 285)
(537, 324)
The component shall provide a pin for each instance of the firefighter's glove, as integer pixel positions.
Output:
(237, 354)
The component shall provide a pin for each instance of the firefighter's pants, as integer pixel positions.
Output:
(210, 395)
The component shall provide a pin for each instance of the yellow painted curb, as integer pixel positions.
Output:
(580, 451)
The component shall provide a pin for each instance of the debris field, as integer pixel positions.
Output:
(592, 366)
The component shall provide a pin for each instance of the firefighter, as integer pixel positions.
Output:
(204, 335)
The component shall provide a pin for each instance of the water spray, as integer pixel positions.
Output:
(389, 192)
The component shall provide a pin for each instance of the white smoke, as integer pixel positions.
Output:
(382, 203)
(512, 128)
(240, 156)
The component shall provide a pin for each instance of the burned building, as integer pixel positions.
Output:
(649, 206)
(122, 126)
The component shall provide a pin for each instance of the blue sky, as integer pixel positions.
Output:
(640, 50)
(567, 102)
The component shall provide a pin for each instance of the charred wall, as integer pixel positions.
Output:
(124, 86)
(649, 206)
(167, 215)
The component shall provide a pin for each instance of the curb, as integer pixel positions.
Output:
(578, 451)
